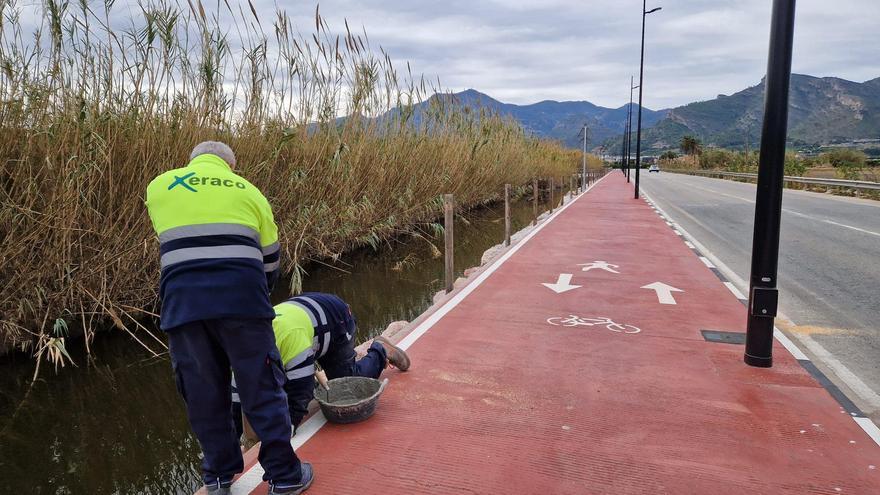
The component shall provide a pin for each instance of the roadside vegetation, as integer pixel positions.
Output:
(95, 104)
(841, 163)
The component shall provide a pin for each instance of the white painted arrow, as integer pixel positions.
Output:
(664, 292)
(563, 284)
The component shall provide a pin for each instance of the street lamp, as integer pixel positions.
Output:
(627, 135)
(584, 170)
(763, 294)
(641, 90)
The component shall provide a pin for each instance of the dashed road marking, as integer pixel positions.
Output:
(736, 292)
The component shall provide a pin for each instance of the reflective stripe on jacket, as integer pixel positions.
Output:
(293, 336)
(218, 242)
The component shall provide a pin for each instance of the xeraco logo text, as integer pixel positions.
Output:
(190, 180)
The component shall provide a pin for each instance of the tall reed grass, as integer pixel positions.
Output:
(96, 103)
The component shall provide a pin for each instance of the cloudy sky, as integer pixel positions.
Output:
(522, 51)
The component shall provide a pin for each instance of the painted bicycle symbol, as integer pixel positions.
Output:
(577, 321)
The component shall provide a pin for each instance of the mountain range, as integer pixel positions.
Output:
(559, 120)
(822, 111)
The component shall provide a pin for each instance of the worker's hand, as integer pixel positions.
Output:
(322, 379)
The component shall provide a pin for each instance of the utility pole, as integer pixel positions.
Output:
(641, 91)
(623, 149)
(629, 127)
(584, 170)
(763, 294)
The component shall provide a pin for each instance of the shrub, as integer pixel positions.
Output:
(848, 162)
(794, 164)
(845, 158)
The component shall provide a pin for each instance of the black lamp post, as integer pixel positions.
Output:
(763, 294)
(641, 90)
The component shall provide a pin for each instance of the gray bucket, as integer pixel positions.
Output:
(350, 399)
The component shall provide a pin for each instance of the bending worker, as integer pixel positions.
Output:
(315, 327)
(219, 247)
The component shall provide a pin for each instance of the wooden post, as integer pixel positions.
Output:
(561, 191)
(507, 214)
(448, 210)
(551, 194)
(535, 202)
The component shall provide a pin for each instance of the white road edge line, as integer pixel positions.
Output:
(708, 264)
(797, 213)
(852, 381)
(848, 377)
(252, 478)
(736, 292)
(788, 344)
(870, 428)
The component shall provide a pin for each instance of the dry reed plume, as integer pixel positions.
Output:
(92, 111)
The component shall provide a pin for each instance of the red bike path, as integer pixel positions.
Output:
(500, 401)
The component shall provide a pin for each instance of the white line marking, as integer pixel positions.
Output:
(452, 303)
(848, 377)
(851, 227)
(688, 244)
(243, 486)
(798, 214)
(677, 232)
(736, 292)
(669, 223)
(788, 344)
(252, 478)
(870, 428)
(706, 262)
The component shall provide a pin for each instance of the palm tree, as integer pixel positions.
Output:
(690, 146)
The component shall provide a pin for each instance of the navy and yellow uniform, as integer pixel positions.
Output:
(315, 327)
(219, 257)
(219, 243)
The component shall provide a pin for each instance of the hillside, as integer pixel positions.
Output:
(560, 120)
(823, 111)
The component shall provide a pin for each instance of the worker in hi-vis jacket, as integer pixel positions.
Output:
(320, 328)
(219, 259)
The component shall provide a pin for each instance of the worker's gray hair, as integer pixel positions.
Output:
(217, 148)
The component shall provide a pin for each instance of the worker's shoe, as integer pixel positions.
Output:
(396, 356)
(219, 488)
(287, 489)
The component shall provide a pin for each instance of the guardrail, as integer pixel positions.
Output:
(852, 184)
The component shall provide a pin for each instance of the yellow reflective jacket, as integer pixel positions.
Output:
(218, 241)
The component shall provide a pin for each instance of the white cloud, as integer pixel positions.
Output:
(525, 51)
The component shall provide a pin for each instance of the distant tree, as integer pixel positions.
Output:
(691, 146)
(669, 155)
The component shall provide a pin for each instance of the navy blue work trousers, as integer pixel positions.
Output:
(202, 353)
(341, 362)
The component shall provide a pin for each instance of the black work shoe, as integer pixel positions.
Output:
(396, 356)
(287, 489)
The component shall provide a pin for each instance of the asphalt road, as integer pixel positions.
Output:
(829, 266)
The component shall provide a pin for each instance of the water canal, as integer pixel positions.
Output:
(116, 425)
